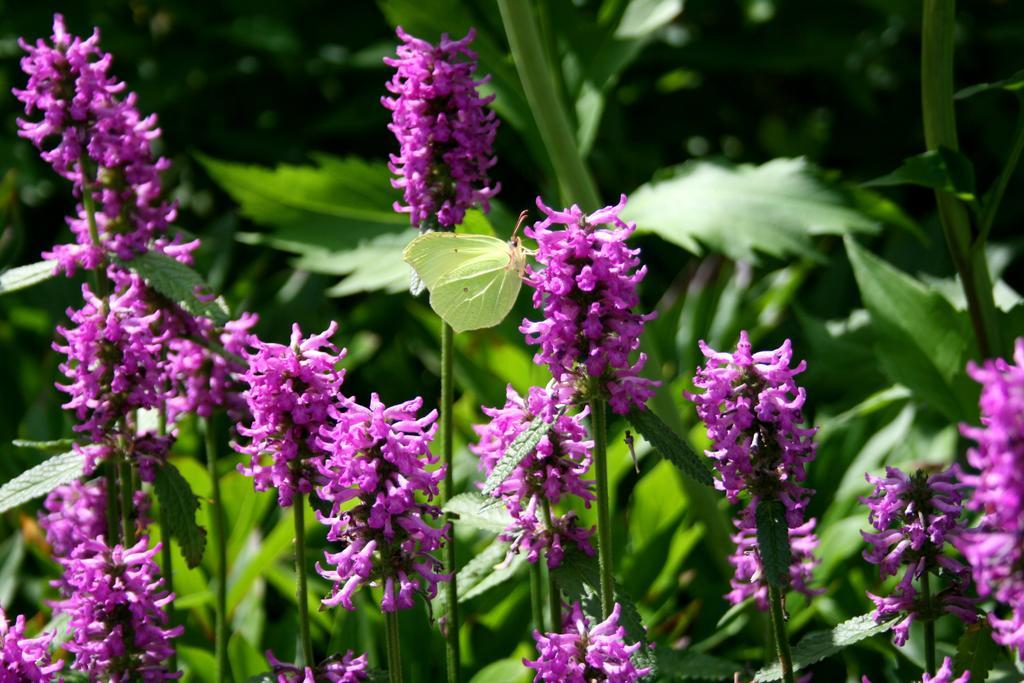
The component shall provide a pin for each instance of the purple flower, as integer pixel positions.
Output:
(553, 471)
(581, 654)
(25, 660)
(753, 411)
(86, 116)
(378, 457)
(345, 668)
(444, 130)
(290, 390)
(73, 514)
(995, 548)
(945, 674)
(586, 289)
(116, 603)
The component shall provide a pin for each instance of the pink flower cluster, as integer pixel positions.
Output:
(586, 289)
(290, 390)
(378, 456)
(553, 471)
(345, 668)
(753, 411)
(994, 549)
(444, 129)
(914, 518)
(25, 660)
(585, 654)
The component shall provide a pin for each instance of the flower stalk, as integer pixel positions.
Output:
(220, 556)
(447, 490)
(394, 647)
(599, 427)
(929, 624)
(776, 602)
(300, 580)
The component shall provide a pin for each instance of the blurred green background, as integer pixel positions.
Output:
(271, 116)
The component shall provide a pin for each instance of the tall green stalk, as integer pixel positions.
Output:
(301, 594)
(929, 624)
(165, 551)
(537, 595)
(966, 250)
(776, 598)
(554, 593)
(599, 429)
(394, 647)
(447, 432)
(127, 500)
(546, 103)
(113, 516)
(220, 555)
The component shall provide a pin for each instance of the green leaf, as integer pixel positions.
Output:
(478, 511)
(672, 447)
(821, 644)
(246, 660)
(509, 670)
(481, 574)
(1014, 83)
(180, 505)
(695, 665)
(923, 343)
(267, 677)
(940, 169)
(53, 447)
(41, 479)
(773, 541)
(740, 211)
(976, 652)
(524, 444)
(22, 277)
(180, 284)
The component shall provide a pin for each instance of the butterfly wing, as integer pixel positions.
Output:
(437, 254)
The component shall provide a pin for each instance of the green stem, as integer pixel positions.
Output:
(99, 278)
(127, 501)
(546, 103)
(968, 255)
(995, 195)
(394, 647)
(301, 595)
(599, 427)
(113, 515)
(537, 595)
(929, 624)
(220, 555)
(453, 658)
(775, 602)
(554, 593)
(165, 551)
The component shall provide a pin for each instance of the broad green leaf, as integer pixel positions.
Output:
(818, 645)
(922, 342)
(180, 284)
(246, 660)
(41, 479)
(940, 169)
(180, 506)
(740, 211)
(13, 553)
(508, 670)
(672, 447)
(200, 662)
(482, 573)
(1014, 83)
(976, 652)
(22, 277)
(479, 511)
(525, 443)
(773, 541)
(53, 447)
(273, 546)
(689, 665)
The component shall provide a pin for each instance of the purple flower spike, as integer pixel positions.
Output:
(86, 114)
(345, 668)
(73, 514)
(753, 410)
(378, 456)
(994, 549)
(586, 289)
(25, 660)
(553, 471)
(290, 391)
(582, 654)
(444, 129)
(116, 603)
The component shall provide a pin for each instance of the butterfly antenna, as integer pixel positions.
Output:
(519, 223)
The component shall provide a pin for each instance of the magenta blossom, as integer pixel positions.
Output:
(444, 129)
(378, 457)
(586, 289)
(552, 472)
(945, 674)
(581, 654)
(345, 668)
(25, 660)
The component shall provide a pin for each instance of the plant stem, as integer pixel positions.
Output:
(995, 195)
(99, 278)
(220, 555)
(447, 430)
(537, 595)
(165, 551)
(127, 501)
(546, 103)
(113, 515)
(775, 601)
(299, 504)
(599, 427)
(929, 624)
(967, 254)
(394, 647)
(554, 593)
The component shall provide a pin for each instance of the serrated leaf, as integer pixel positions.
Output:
(695, 665)
(818, 645)
(53, 447)
(672, 447)
(482, 573)
(41, 479)
(741, 211)
(940, 169)
(524, 444)
(22, 277)
(479, 511)
(1014, 83)
(922, 342)
(180, 506)
(773, 541)
(976, 652)
(179, 283)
